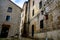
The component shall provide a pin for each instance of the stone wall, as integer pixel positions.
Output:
(14, 21)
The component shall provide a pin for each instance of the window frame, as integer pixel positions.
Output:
(33, 2)
(33, 12)
(41, 24)
(9, 9)
(7, 18)
(40, 4)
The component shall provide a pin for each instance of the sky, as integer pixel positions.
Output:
(19, 2)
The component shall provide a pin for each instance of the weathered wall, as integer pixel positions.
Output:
(52, 25)
(15, 16)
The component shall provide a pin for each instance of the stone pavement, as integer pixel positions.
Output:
(25, 39)
(34, 39)
(22, 38)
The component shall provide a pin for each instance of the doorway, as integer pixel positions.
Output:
(41, 24)
(4, 31)
(32, 30)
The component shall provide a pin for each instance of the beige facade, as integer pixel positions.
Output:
(23, 24)
(22, 18)
(35, 16)
(49, 12)
(10, 15)
(41, 17)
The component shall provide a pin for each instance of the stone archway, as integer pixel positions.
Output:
(4, 31)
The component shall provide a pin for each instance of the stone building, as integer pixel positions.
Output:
(42, 19)
(35, 17)
(44, 16)
(52, 11)
(24, 20)
(10, 15)
(51, 18)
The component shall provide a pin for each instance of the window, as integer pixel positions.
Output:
(7, 18)
(42, 12)
(9, 9)
(33, 13)
(41, 24)
(40, 4)
(33, 3)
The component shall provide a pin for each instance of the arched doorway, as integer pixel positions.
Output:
(4, 31)
(32, 30)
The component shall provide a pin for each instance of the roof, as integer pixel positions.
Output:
(26, 2)
(15, 4)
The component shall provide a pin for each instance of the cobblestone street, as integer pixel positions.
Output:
(22, 38)
(25, 39)
(33, 39)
